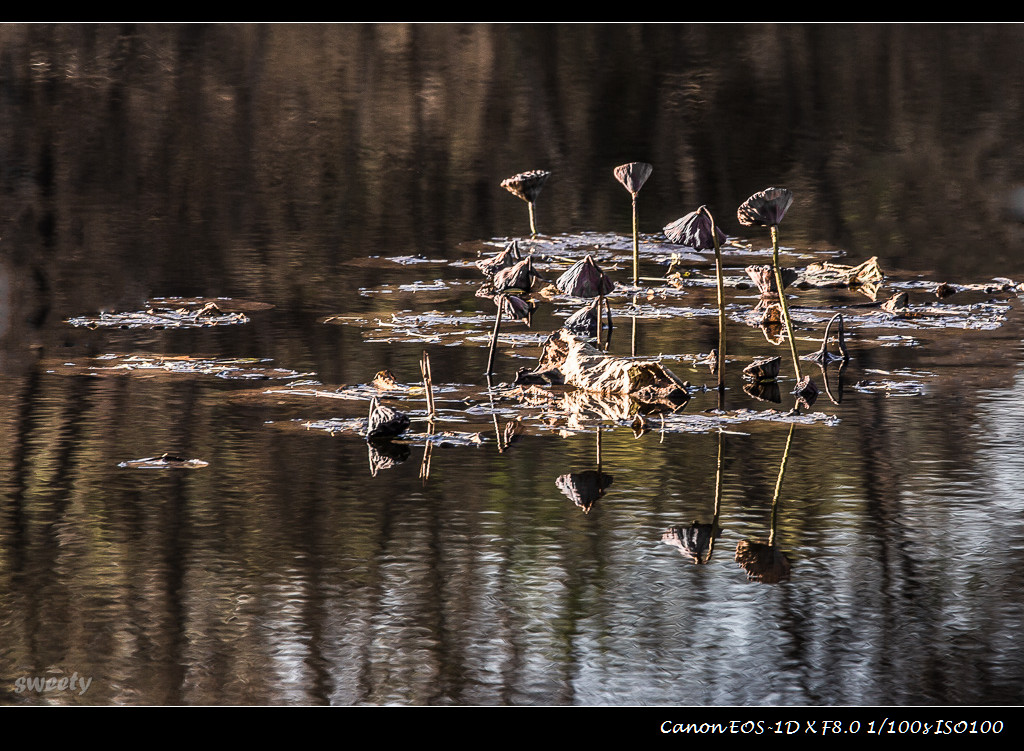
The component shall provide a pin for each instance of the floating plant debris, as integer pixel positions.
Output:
(581, 365)
(210, 314)
(358, 426)
(229, 304)
(428, 327)
(829, 274)
(166, 461)
(912, 386)
(243, 368)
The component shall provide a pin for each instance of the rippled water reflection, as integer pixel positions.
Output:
(345, 179)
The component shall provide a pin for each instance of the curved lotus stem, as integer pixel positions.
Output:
(782, 300)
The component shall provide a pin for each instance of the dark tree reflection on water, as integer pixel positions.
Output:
(287, 164)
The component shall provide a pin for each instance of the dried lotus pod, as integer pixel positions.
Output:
(694, 231)
(585, 279)
(385, 422)
(507, 258)
(527, 185)
(765, 208)
(517, 279)
(763, 369)
(764, 278)
(633, 175)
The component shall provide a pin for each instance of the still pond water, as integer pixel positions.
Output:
(331, 189)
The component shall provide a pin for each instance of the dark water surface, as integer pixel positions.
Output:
(335, 184)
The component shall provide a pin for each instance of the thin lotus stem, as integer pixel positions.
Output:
(782, 301)
(494, 342)
(636, 246)
(600, 325)
(778, 484)
(533, 220)
(721, 302)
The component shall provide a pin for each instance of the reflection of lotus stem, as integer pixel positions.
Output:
(494, 341)
(636, 246)
(778, 484)
(718, 493)
(782, 300)
(428, 386)
(721, 302)
(533, 220)
(632, 341)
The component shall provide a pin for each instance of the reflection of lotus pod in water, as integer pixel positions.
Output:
(585, 279)
(385, 422)
(693, 541)
(765, 208)
(385, 455)
(583, 488)
(507, 258)
(762, 562)
(526, 185)
(513, 307)
(765, 391)
(633, 175)
(694, 231)
(518, 278)
(584, 321)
